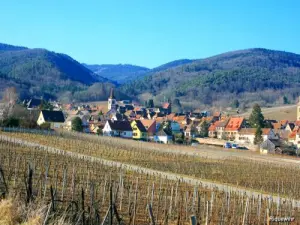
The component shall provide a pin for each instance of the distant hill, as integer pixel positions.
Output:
(172, 64)
(120, 73)
(252, 75)
(125, 73)
(42, 73)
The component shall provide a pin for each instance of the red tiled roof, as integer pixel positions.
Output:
(293, 134)
(166, 105)
(234, 124)
(276, 125)
(171, 116)
(148, 123)
(159, 119)
(212, 127)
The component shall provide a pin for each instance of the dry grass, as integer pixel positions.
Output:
(8, 215)
(277, 113)
(14, 212)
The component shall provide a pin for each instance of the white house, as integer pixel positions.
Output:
(56, 119)
(247, 135)
(117, 129)
(163, 137)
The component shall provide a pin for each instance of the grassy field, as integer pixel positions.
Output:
(77, 191)
(288, 112)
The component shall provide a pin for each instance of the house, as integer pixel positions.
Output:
(294, 137)
(217, 129)
(233, 126)
(290, 126)
(56, 119)
(139, 131)
(270, 146)
(282, 134)
(117, 129)
(189, 131)
(247, 135)
(150, 126)
(163, 136)
(94, 127)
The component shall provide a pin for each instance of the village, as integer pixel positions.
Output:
(130, 120)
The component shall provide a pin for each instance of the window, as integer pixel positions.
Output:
(124, 133)
(134, 134)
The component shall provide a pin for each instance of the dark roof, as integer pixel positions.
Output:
(34, 103)
(140, 126)
(120, 125)
(163, 133)
(129, 107)
(53, 116)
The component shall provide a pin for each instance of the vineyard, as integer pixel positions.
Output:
(89, 192)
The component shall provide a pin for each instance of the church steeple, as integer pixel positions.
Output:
(112, 103)
(112, 95)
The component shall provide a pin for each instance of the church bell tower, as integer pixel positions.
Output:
(112, 103)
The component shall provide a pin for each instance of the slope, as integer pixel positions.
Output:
(38, 72)
(252, 75)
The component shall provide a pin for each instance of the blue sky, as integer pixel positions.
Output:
(150, 32)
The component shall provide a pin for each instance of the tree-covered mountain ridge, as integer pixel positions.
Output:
(125, 73)
(251, 75)
(43, 73)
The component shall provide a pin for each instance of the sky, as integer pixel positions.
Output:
(150, 32)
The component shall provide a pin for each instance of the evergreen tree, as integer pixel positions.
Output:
(77, 124)
(150, 103)
(285, 100)
(256, 118)
(235, 104)
(204, 129)
(258, 136)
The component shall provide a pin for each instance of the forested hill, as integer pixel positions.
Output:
(6, 47)
(126, 73)
(120, 73)
(38, 72)
(252, 75)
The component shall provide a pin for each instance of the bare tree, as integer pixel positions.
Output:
(10, 95)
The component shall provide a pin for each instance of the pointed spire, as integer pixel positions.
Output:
(112, 96)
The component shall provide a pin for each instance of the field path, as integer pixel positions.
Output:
(171, 176)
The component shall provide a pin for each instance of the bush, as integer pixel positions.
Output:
(11, 122)
(77, 124)
(31, 124)
(45, 126)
